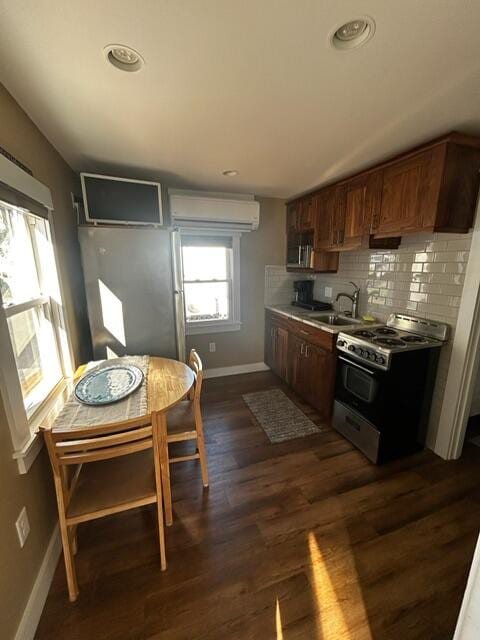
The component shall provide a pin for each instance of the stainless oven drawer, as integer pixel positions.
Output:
(356, 429)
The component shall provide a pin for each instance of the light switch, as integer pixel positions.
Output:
(328, 292)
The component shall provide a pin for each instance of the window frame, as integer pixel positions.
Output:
(234, 322)
(23, 428)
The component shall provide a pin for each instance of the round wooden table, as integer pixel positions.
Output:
(168, 382)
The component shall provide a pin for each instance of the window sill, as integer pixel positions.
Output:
(212, 327)
(44, 415)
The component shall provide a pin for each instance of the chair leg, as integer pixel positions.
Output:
(158, 484)
(202, 450)
(165, 467)
(69, 560)
(66, 542)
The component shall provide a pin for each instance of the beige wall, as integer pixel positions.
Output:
(257, 248)
(19, 567)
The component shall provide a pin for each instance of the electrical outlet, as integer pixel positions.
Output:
(328, 292)
(23, 526)
(212, 347)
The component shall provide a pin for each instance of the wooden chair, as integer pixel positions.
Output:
(99, 471)
(184, 422)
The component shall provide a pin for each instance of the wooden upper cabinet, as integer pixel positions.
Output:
(305, 216)
(410, 193)
(325, 204)
(344, 214)
(362, 204)
(432, 190)
(293, 215)
(300, 216)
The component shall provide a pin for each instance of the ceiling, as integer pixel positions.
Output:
(251, 85)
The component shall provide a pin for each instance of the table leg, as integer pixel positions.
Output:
(161, 425)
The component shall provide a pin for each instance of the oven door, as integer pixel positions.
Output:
(360, 386)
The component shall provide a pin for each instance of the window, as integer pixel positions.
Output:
(211, 282)
(31, 303)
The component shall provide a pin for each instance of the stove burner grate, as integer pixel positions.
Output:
(363, 333)
(414, 339)
(390, 342)
(385, 331)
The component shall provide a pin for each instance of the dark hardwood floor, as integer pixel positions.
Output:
(300, 540)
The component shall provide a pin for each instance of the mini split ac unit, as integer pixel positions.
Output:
(221, 211)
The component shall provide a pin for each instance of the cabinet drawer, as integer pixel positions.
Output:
(356, 429)
(277, 319)
(313, 335)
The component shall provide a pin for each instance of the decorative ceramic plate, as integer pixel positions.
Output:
(108, 384)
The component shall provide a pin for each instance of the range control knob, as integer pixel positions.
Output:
(351, 347)
(372, 356)
(340, 343)
(358, 350)
(380, 360)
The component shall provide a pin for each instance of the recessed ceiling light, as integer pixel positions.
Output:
(353, 33)
(123, 57)
(230, 173)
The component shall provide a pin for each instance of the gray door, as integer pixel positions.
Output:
(129, 285)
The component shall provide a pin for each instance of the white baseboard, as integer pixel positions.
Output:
(31, 615)
(235, 370)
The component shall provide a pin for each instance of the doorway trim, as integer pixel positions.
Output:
(465, 358)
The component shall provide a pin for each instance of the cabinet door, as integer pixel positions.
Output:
(406, 195)
(305, 215)
(324, 212)
(293, 215)
(269, 341)
(362, 204)
(320, 373)
(296, 365)
(280, 351)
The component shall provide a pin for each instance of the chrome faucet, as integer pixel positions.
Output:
(353, 298)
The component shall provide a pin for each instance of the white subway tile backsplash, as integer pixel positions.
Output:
(278, 284)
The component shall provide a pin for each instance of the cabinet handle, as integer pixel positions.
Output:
(352, 423)
(306, 351)
(341, 233)
(301, 348)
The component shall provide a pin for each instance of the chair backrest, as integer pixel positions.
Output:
(196, 365)
(89, 444)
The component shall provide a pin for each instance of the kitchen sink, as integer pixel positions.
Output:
(335, 319)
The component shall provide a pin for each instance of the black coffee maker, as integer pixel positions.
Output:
(303, 296)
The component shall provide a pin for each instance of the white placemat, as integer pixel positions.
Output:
(76, 414)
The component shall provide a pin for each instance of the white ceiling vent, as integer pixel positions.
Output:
(225, 211)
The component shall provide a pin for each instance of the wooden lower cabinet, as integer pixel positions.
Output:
(276, 348)
(312, 372)
(297, 357)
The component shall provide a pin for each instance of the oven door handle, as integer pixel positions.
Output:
(354, 364)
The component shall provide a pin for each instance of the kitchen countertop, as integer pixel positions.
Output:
(301, 315)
